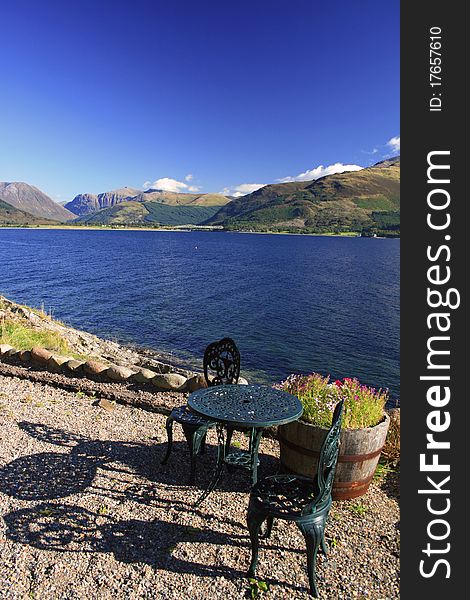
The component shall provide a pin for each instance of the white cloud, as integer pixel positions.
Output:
(245, 188)
(189, 176)
(321, 171)
(394, 143)
(168, 184)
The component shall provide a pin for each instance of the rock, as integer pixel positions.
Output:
(11, 352)
(242, 381)
(74, 365)
(24, 355)
(106, 404)
(144, 376)
(40, 355)
(117, 373)
(83, 204)
(56, 361)
(170, 381)
(93, 367)
(4, 348)
(196, 383)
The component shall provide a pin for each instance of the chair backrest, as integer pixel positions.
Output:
(223, 359)
(329, 457)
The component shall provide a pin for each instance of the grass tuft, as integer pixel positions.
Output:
(24, 338)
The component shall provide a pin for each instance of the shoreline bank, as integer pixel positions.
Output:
(184, 229)
(81, 344)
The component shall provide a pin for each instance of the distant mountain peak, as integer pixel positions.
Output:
(85, 204)
(30, 199)
(388, 162)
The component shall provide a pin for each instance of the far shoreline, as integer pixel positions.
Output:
(183, 229)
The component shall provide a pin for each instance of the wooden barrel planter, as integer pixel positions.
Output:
(359, 454)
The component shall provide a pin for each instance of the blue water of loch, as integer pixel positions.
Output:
(293, 304)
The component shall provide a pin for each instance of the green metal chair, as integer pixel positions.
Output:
(221, 367)
(304, 501)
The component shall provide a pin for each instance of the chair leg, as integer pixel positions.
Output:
(194, 438)
(203, 444)
(313, 534)
(169, 432)
(269, 527)
(254, 519)
(324, 545)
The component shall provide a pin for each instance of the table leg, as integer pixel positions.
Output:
(219, 465)
(255, 439)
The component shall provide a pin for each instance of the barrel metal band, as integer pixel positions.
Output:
(341, 458)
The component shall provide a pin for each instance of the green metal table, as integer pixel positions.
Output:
(252, 407)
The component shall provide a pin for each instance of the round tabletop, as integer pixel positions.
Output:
(246, 405)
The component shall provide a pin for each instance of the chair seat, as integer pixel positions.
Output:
(183, 415)
(283, 495)
(240, 459)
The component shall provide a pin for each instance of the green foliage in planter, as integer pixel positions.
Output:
(363, 405)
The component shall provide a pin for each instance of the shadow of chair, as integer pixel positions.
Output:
(304, 501)
(221, 367)
(68, 528)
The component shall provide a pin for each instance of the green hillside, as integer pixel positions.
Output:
(147, 213)
(179, 215)
(365, 201)
(181, 198)
(11, 216)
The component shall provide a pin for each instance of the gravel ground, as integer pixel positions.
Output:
(88, 512)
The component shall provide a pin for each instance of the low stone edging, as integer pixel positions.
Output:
(96, 370)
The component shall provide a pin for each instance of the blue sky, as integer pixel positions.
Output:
(194, 94)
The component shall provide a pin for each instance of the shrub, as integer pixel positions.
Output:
(363, 405)
(391, 449)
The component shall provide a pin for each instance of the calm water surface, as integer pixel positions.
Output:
(293, 304)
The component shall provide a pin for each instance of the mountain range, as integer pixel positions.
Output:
(365, 201)
(84, 204)
(151, 206)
